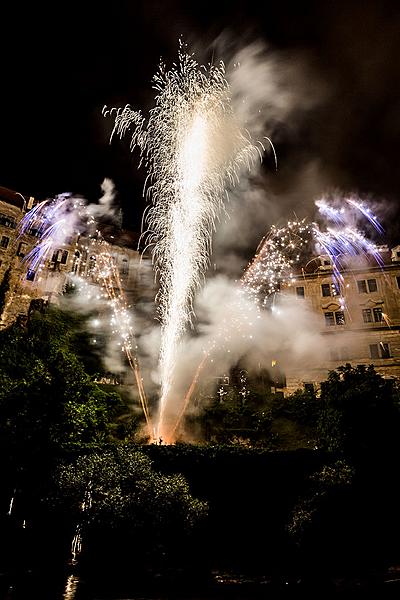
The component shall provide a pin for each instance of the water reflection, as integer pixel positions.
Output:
(71, 587)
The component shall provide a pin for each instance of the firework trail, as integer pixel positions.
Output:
(273, 263)
(53, 222)
(276, 258)
(192, 148)
(366, 211)
(344, 238)
(107, 275)
(282, 248)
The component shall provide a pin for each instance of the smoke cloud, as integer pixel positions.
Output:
(272, 92)
(231, 328)
(106, 208)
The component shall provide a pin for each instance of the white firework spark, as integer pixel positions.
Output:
(193, 149)
(277, 261)
(276, 257)
(53, 222)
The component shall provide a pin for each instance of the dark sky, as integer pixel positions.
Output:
(59, 66)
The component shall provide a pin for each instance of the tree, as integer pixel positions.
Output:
(348, 518)
(359, 413)
(48, 402)
(270, 421)
(294, 420)
(129, 507)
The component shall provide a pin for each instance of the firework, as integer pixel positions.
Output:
(276, 256)
(54, 221)
(274, 264)
(192, 148)
(366, 211)
(107, 275)
(344, 239)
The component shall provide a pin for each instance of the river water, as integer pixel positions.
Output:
(71, 586)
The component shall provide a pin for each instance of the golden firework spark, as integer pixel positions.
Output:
(193, 150)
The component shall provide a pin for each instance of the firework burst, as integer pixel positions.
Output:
(276, 256)
(275, 263)
(193, 150)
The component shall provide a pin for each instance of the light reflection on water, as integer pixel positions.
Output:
(71, 587)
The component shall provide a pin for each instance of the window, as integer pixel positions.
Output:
(329, 318)
(326, 289)
(300, 292)
(334, 318)
(373, 351)
(384, 348)
(381, 350)
(7, 221)
(30, 276)
(125, 266)
(34, 232)
(309, 387)
(22, 249)
(330, 289)
(367, 315)
(92, 263)
(4, 241)
(365, 287)
(362, 286)
(378, 315)
(77, 260)
(339, 317)
(60, 256)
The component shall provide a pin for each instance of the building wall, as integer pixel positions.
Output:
(76, 258)
(360, 318)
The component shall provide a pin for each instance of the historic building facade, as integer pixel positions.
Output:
(358, 313)
(79, 257)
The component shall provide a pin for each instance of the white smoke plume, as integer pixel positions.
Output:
(272, 91)
(106, 206)
(231, 328)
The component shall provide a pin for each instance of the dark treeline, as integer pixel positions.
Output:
(323, 508)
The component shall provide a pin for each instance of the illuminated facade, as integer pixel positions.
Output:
(78, 257)
(358, 313)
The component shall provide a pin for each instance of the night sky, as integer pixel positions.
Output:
(60, 66)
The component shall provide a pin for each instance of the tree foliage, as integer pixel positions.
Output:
(148, 518)
(47, 400)
(359, 413)
(271, 421)
(126, 491)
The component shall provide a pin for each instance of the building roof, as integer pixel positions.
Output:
(12, 197)
(322, 263)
